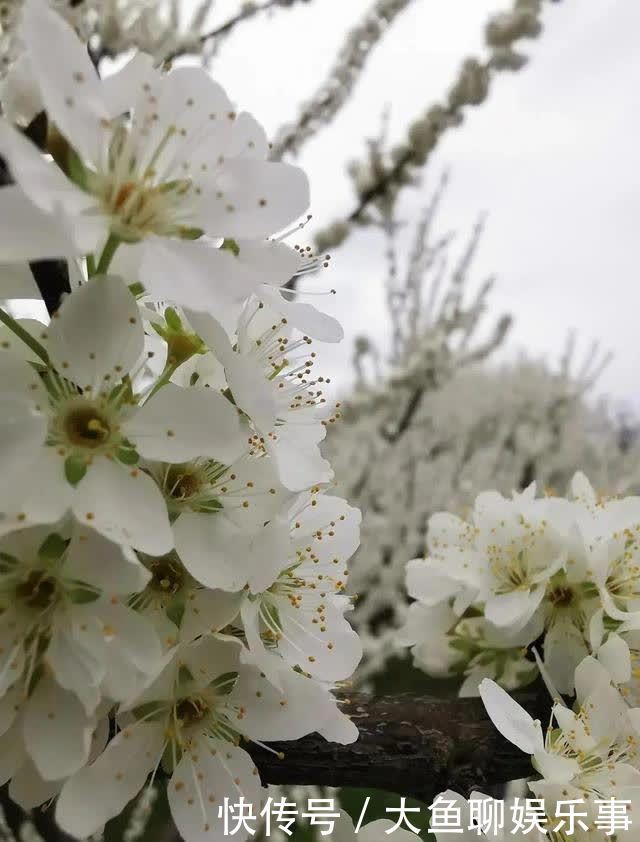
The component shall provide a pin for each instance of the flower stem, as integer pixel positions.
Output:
(107, 254)
(24, 335)
(164, 378)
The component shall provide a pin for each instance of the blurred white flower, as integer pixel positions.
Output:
(68, 640)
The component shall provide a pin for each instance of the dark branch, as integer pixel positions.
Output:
(412, 745)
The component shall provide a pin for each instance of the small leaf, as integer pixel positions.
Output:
(173, 319)
(187, 233)
(224, 683)
(232, 246)
(175, 611)
(128, 456)
(136, 289)
(75, 467)
(82, 596)
(53, 546)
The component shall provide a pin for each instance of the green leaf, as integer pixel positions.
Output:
(224, 683)
(53, 546)
(82, 596)
(175, 611)
(187, 233)
(75, 467)
(128, 456)
(136, 289)
(211, 505)
(232, 246)
(270, 612)
(173, 319)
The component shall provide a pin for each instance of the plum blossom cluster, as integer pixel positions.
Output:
(559, 574)
(171, 570)
(587, 762)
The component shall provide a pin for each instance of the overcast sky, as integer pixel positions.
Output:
(552, 156)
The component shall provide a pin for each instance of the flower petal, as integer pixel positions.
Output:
(202, 780)
(10, 703)
(110, 567)
(210, 279)
(178, 424)
(118, 89)
(23, 422)
(75, 669)
(57, 750)
(29, 789)
(274, 263)
(258, 198)
(98, 332)
(26, 503)
(303, 316)
(296, 708)
(208, 611)
(16, 279)
(512, 720)
(68, 81)
(124, 505)
(19, 92)
(295, 451)
(102, 790)
(29, 233)
(43, 182)
(12, 753)
(513, 610)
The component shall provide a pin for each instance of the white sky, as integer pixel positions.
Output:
(552, 156)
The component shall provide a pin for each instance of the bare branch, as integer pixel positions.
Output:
(336, 89)
(248, 10)
(413, 745)
(378, 185)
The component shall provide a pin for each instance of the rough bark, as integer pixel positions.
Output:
(413, 745)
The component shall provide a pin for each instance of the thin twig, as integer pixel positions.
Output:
(249, 11)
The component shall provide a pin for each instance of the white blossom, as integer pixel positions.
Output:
(190, 720)
(80, 426)
(154, 161)
(591, 754)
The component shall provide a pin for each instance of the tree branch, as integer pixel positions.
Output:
(413, 745)
(248, 11)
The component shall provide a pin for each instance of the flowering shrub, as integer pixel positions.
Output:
(558, 573)
(171, 570)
